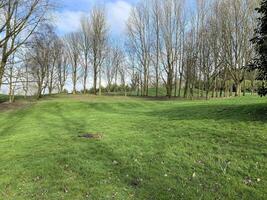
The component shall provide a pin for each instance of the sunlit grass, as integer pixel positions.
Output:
(149, 149)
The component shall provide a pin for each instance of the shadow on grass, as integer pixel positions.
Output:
(126, 173)
(107, 155)
(249, 112)
(231, 112)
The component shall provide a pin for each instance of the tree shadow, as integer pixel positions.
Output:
(247, 113)
(120, 165)
(200, 111)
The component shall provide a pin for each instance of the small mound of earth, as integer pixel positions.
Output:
(91, 136)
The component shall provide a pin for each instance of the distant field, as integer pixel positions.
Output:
(144, 149)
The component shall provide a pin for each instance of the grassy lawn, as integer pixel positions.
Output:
(149, 149)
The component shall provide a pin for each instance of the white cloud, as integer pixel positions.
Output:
(118, 13)
(68, 20)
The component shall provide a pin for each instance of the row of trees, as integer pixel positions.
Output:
(48, 63)
(207, 50)
(198, 54)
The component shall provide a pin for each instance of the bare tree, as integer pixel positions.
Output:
(170, 24)
(204, 51)
(39, 54)
(98, 38)
(62, 69)
(85, 44)
(73, 52)
(12, 76)
(156, 20)
(55, 60)
(139, 38)
(237, 28)
(19, 19)
(114, 65)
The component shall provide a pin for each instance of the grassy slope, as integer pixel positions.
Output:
(150, 149)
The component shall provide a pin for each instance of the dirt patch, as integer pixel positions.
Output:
(91, 136)
(136, 182)
(6, 106)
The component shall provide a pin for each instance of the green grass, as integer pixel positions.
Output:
(213, 149)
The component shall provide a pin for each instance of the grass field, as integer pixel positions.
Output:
(148, 149)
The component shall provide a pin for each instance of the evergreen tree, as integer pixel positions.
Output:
(260, 42)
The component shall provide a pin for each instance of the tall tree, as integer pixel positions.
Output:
(98, 38)
(139, 39)
(73, 52)
(85, 49)
(62, 69)
(260, 41)
(170, 24)
(40, 56)
(19, 20)
(236, 19)
(156, 15)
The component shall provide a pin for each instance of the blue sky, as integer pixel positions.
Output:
(69, 13)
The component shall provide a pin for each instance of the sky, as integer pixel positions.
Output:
(69, 13)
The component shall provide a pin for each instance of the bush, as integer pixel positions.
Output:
(112, 89)
(86, 91)
(262, 91)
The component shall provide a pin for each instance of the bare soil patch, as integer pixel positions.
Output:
(91, 136)
(6, 106)
(136, 182)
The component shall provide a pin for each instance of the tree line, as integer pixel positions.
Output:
(202, 52)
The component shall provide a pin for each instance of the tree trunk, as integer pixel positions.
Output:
(169, 83)
(145, 82)
(39, 92)
(244, 88)
(2, 70)
(85, 77)
(180, 85)
(95, 80)
(186, 89)
(207, 89)
(252, 87)
(74, 88)
(100, 87)
(238, 89)
(175, 80)
(157, 82)
(10, 86)
(207, 94)
(50, 91)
